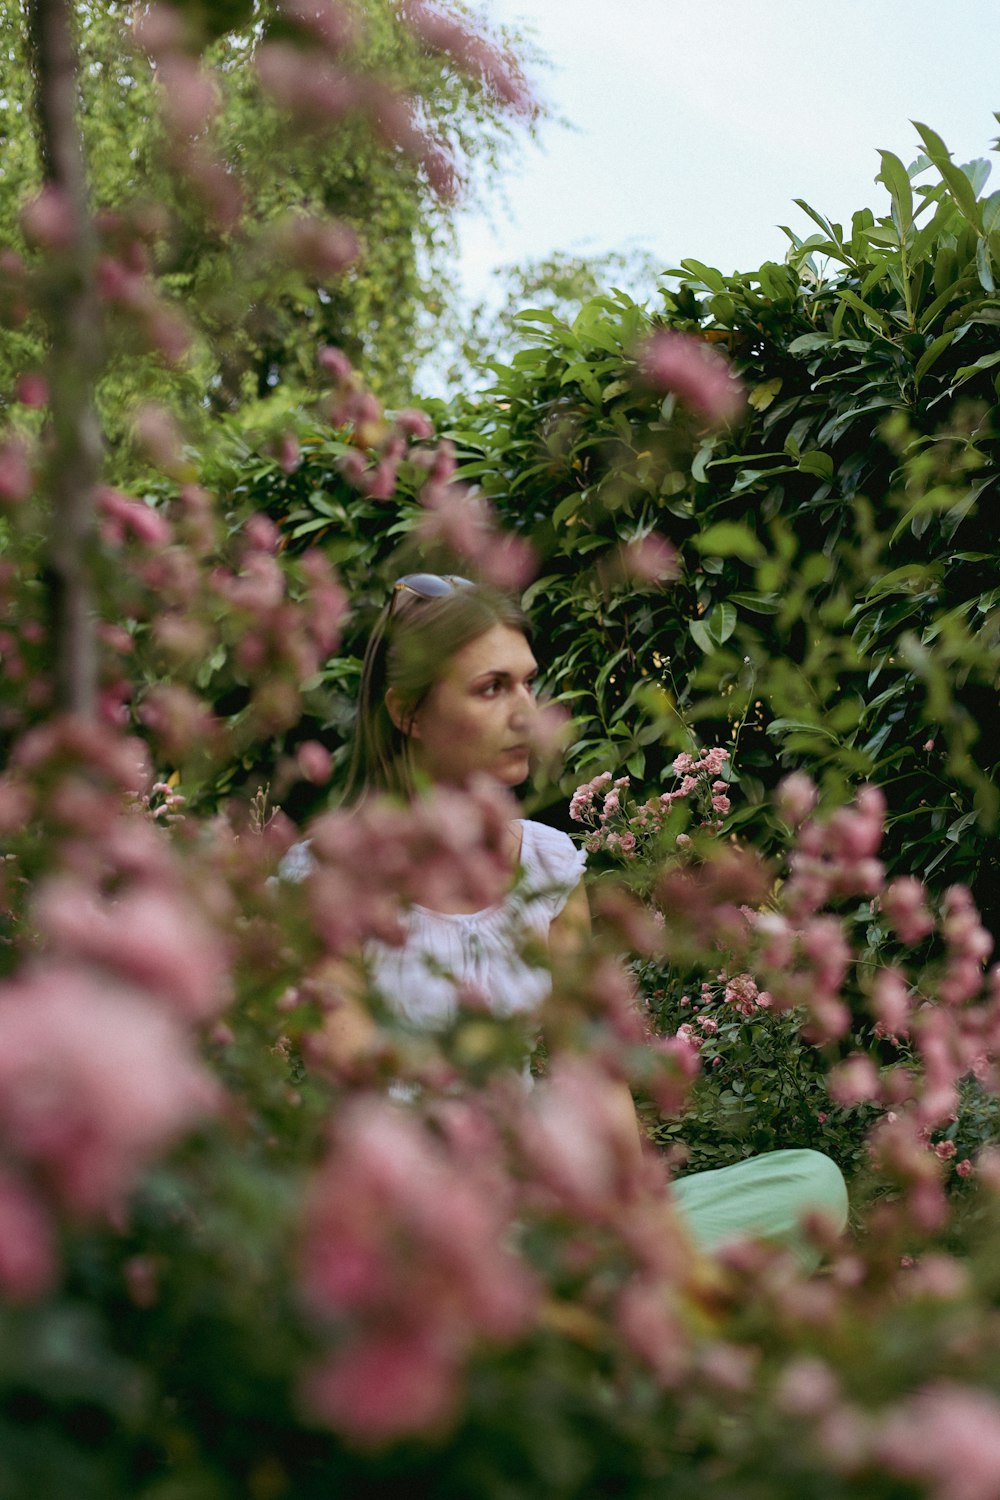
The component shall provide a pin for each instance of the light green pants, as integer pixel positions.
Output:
(764, 1197)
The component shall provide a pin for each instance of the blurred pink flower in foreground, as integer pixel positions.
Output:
(404, 1251)
(149, 936)
(95, 1081)
(947, 1436)
(698, 375)
(28, 1261)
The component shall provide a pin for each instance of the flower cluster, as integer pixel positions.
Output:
(391, 1196)
(626, 828)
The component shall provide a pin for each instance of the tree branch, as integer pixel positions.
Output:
(74, 338)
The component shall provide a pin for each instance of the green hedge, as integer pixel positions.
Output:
(837, 608)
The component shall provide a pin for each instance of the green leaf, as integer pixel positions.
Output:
(986, 362)
(934, 351)
(958, 183)
(853, 300)
(567, 507)
(818, 463)
(762, 395)
(897, 180)
(806, 343)
(722, 623)
(788, 726)
(984, 266)
(712, 278)
(729, 539)
(760, 604)
(700, 636)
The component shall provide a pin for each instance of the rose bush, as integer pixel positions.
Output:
(232, 1264)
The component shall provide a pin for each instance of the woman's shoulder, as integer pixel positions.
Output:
(549, 856)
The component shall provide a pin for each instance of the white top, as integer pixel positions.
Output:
(480, 952)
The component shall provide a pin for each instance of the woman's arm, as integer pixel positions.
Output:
(348, 1030)
(568, 934)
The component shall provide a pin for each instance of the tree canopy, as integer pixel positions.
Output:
(344, 232)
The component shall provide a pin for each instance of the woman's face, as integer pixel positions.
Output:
(478, 715)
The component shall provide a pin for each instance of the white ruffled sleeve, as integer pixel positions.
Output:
(553, 867)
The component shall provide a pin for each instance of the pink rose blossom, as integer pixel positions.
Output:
(314, 762)
(796, 798)
(696, 373)
(947, 1437)
(33, 390)
(415, 424)
(48, 220)
(151, 937)
(904, 903)
(854, 1081)
(384, 1387)
(95, 1082)
(15, 471)
(28, 1260)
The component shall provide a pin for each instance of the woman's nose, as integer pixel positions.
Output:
(524, 705)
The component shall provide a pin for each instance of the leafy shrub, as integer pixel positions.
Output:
(836, 605)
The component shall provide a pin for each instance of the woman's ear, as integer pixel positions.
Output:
(405, 723)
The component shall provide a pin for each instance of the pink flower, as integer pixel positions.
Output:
(122, 517)
(713, 760)
(473, 53)
(652, 1326)
(742, 993)
(33, 390)
(314, 762)
(189, 97)
(415, 424)
(649, 559)
(891, 1001)
(509, 562)
(289, 453)
(796, 798)
(947, 1437)
(577, 1140)
(158, 435)
(385, 1386)
(48, 220)
(854, 1081)
(696, 373)
(393, 1196)
(964, 1168)
(680, 1063)
(151, 937)
(95, 1082)
(28, 1263)
(15, 471)
(335, 363)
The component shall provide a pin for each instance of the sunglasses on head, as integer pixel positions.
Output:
(428, 586)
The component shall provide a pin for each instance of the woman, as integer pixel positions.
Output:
(447, 694)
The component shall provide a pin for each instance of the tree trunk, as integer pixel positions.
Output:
(74, 338)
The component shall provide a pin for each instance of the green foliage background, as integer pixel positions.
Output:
(258, 323)
(837, 603)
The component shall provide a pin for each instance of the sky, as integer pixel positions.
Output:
(696, 124)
